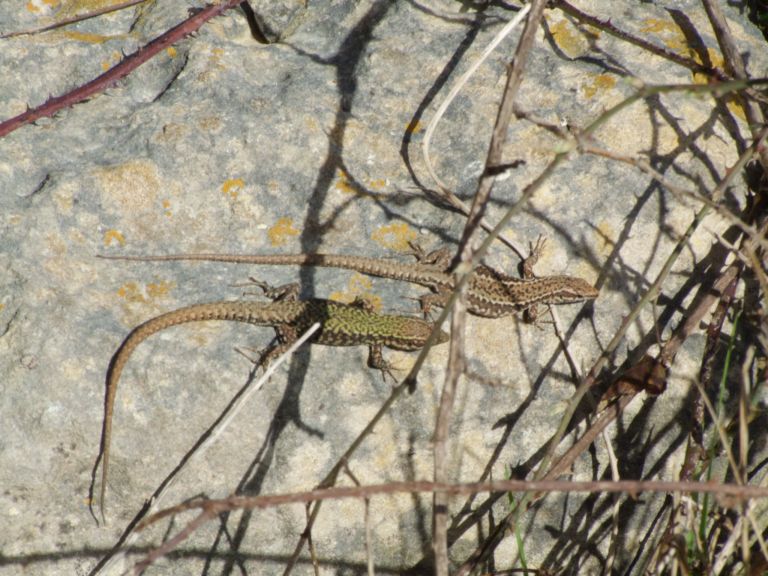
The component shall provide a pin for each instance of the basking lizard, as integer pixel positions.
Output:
(490, 293)
(340, 325)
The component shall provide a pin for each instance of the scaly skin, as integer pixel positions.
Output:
(340, 325)
(490, 294)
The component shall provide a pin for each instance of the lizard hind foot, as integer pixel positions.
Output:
(376, 360)
(363, 303)
(254, 355)
(283, 292)
(262, 357)
(387, 369)
(439, 259)
(531, 315)
(427, 301)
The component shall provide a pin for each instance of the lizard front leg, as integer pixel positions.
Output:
(286, 336)
(376, 360)
(375, 355)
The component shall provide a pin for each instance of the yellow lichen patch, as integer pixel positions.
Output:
(606, 236)
(674, 38)
(232, 187)
(669, 33)
(657, 26)
(155, 289)
(735, 107)
(569, 39)
(131, 293)
(395, 236)
(86, 37)
(337, 296)
(2, 306)
(171, 51)
(359, 287)
(414, 126)
(73, 8)
(716, 60)
(359, 283)
(600, 83)
(281, 231)
(39, 6)
(111, 235)
(167, 208)
(343, 182)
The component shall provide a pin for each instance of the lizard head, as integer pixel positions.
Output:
(568, 289)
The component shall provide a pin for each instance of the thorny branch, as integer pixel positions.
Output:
(114, 74)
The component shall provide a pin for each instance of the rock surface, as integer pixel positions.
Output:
(314, 143)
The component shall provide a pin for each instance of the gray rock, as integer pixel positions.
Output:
(224, 144)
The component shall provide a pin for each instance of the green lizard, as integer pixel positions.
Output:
(340, 325)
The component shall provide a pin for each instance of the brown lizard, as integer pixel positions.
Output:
(490, 294)
(340, 325)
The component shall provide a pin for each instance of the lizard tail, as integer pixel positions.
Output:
(234, 311)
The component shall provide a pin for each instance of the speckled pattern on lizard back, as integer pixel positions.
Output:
(340, 325)
(490, 293)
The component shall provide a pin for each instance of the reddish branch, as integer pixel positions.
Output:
(109, 78)
(75, 18)
(212, 508)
